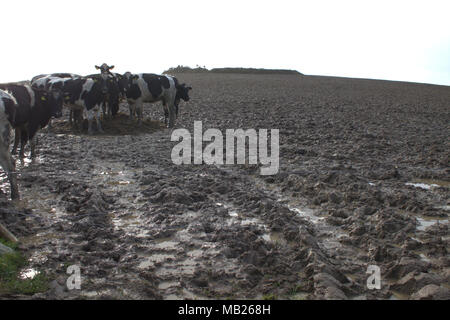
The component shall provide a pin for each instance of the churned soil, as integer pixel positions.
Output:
(363, 181)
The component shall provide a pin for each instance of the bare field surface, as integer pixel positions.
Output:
(363, 180)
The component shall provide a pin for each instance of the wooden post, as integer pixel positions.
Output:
(4, 233)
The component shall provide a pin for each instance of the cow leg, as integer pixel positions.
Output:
(71, 117)
(99, 124)
(23, 142)
(7, 163)
(78, 114)
(33, 144)
(109, 111)
(17, 134)
(171, 116)
(166, 114)
(104, 109)
(171, 106)
(176, 108)
(139, 113)
(90, 116)
(132, 107)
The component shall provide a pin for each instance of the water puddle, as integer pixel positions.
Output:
(398, 296)
(154, 259)
(236, 217)
(428, 184)
(186, 268)
(422, 185)
(277, 238)
(425, 222)
(423, 257)
(167, 245)
(168, 284)
(306, 213)
(184, 294)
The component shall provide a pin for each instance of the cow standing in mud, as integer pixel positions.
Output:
(146, 87)
(112, 96)
(56, 81)
(7, 114)
(85, 95)
(182, 94)
(35, 108)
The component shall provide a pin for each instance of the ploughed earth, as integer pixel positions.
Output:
(363, 181)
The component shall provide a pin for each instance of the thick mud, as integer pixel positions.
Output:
(363, 180)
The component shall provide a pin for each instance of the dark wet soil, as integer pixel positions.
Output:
(363, 180)
(120, 124)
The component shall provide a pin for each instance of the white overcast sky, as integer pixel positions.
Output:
(395, 40)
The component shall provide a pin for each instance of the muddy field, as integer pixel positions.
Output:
(364, 180)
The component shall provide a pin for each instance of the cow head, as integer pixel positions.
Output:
(128, 79)
(183, 92)
(52, 101)
(104, 68)
(120, 83)
(56, 98)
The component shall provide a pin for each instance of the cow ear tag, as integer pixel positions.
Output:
(43, 98)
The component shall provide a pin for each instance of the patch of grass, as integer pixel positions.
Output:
(269, 296)
(295, 289)
(12, 245)
(10, 266)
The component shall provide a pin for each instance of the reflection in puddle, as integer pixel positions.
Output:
(155, 259)
(168, 245)
(277, 238)
(425, 222)
(428, 184)
(167, 284)
(398, 296)
(306, 213)
(184, 268)
(233, 213)
(183, 295)
(422, 185)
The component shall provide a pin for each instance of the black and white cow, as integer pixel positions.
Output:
(7, 114)
(182, 94)
(56, 81)
(42, 79)
(84, 95)
(35, 108)
(112, 94)
(147, 87)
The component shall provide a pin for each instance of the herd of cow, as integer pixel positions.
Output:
(30, 107)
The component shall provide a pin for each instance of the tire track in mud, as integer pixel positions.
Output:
(98, 216)
(141, 227)
(310, 246)
(76, 228)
